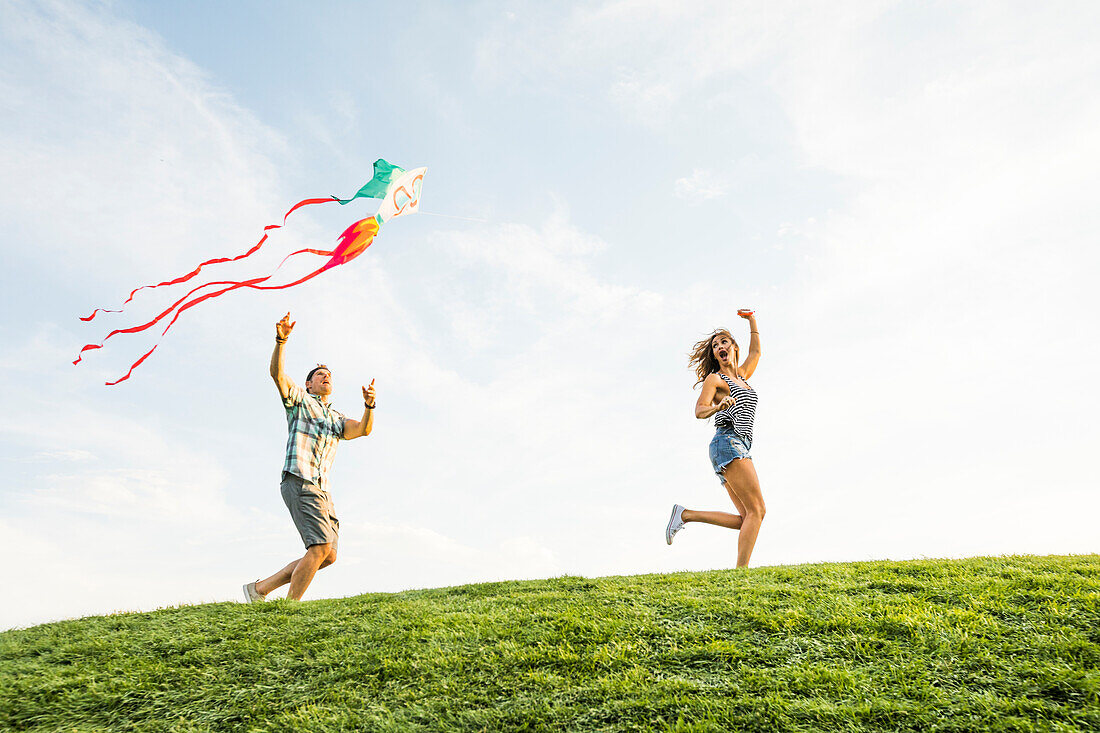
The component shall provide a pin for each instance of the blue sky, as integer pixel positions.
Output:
(903, 191)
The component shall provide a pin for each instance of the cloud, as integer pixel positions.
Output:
(666, 61)
(71, 455)
(128, 158)
(930, 326)
(926, 360)
(132, 494)
(143, 154)
(104, 462)
(700, 186)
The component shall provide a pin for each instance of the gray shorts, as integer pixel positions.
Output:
(312, 510)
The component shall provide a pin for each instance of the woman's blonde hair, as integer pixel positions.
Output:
(702, 355)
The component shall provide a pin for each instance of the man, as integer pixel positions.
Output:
(314, 429)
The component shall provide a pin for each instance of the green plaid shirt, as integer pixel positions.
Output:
(314, 428)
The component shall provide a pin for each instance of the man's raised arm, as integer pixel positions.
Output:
(360, 428)
(282, 333)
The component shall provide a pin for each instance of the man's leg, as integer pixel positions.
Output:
(312, 512)
(302, 573)
(281, 578)
(278, 580)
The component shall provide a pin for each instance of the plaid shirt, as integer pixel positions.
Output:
(314, 428)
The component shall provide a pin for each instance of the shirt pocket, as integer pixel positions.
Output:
(313, 427)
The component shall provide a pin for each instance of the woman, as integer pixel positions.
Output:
(728, 396)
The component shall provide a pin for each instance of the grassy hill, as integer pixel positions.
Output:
(990, 644)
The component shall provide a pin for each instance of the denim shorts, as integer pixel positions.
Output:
(728, 446)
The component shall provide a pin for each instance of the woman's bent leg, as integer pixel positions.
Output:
(736, 500)
(744, 486)
(720, 519)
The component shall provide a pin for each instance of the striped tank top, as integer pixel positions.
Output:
(738, 418)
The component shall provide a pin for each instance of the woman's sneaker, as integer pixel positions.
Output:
(675, 523)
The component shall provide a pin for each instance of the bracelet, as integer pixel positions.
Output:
(369, 407)
(756, 332)
(279, 340)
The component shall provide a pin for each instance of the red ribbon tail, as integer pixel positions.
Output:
(184, 278)
(100, 310)
(246, 284)
(88, 347)
(233, 285)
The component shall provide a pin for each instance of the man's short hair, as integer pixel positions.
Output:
(314, 369)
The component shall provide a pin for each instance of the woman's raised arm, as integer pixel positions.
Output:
(753, 357)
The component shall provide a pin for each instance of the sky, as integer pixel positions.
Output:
(899, 189)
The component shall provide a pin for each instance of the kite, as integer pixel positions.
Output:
(399, 191)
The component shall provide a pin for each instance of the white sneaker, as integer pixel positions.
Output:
(675, 523)
(251, 595)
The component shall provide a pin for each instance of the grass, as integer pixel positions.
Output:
(984, 644)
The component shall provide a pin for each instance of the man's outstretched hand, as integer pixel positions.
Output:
(361, 428)
(284, 327)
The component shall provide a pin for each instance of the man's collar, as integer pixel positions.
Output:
(318, 398)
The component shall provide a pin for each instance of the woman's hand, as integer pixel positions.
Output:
(726, 403)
